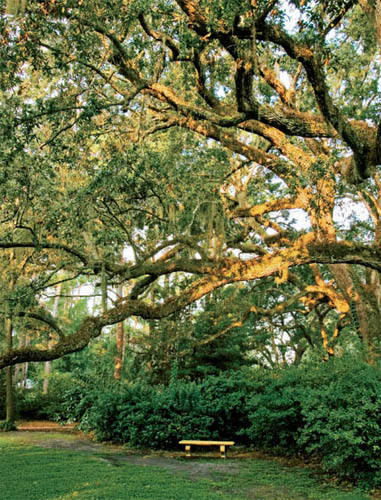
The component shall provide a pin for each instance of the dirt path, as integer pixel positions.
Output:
(116, 456)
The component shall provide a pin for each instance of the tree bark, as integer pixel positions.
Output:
(119, 351)
(364, 300)
(10, 401)
(48, 364)
(118, 364)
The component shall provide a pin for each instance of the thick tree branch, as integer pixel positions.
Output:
(362, 145)
(227, 271)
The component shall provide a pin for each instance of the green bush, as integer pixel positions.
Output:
(7, 426)
(224, 399)
(157, 417)
(76, 402)
(32, 404)
(275, 413)
(342, 421)
(331, 410)
(150, 417)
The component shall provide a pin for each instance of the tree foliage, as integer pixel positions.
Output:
(171, 146)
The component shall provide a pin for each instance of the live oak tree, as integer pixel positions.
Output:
(189, 135)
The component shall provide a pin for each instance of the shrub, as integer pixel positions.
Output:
(33, 404)
(332, 410)
(76, 402)
(30, 404)
(342, 421)
(157, 417)
(103, 416)
(153, 417)
(274, 412)
(224, 398)
(7, 426)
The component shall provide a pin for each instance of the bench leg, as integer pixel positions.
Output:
(188, 450)
(222, 450)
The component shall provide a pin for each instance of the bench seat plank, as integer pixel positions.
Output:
(207, 443)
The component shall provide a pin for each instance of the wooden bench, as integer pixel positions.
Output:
(221, 444)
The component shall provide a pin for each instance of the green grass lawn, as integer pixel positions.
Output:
(29, 472)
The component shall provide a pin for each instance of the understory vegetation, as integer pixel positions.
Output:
(330, 411)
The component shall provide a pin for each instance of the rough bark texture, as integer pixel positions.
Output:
(10, 401)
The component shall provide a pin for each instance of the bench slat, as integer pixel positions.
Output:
(207, 443)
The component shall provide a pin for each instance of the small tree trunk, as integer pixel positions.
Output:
(48, 364)
(10, 401)
(365, 300)
(24, 374)
(119, 351)
(17, 372)
(24, 366)
(47, 372)
(118, 365)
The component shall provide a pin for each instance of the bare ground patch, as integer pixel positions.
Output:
(205, 464)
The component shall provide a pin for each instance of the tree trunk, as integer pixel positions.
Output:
(369, 312)
(47, 372)
(10, 401)
(118, 365)
(48, 364)
(119, 351)
(17, 373)
(365, 303)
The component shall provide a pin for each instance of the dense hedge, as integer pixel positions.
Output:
(157, 417)
(342, 422)
(331, 410)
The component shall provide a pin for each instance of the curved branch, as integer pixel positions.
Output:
(362, 143)
(304, 251)
(44, 317)
(160, 37)
(45, 246)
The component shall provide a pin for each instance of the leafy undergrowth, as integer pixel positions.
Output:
(32, 471)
